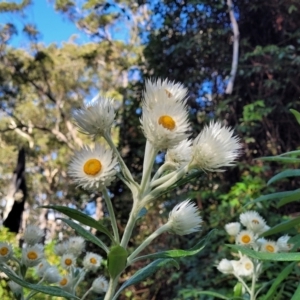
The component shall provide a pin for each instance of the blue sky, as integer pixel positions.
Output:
(53, 26)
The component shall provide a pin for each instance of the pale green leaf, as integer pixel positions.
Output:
(284, 226)
(81, 218)
(273, 196)
(293, 197)
(85, 234)
(284, 174)
(50, 290)
(288, 160)
(180, 253)
(291, 256)
(296, 114)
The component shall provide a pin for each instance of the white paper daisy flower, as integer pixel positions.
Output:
(179, 155)
(243, 267)
(92, 261)
(6, 252)
(253, 221)
(97, 117)
(245, 238)
(269, 246)
(100, 285)
(184, 218)
(15, 288)
(225, 266)
(66, 282)
(283, 244)
(42, 267)
(68, 260)
(33, 234)
(233, 228)
(52, 275)
(215, 147)
(76, 245)
(61, 248)
(165, 125)
(93, 167)
(163, 91)
(32, 255)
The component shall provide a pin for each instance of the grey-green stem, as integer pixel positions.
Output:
(111, 215)
(147, 241)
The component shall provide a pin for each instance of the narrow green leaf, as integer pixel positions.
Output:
(294, 152)
(81, 217)
(50, 290)
(293, 197)
(214, 294)
(272, 196)
(117, 258)
(291, 256)
(180, 253)
(296, 114)
(283, 274)
(145, 272)
(284, 226)
(85, 234)
(282, 159)
(296, 296)
(284, 174)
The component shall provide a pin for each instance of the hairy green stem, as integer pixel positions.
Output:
(149, 158)
(147, 241)
(130, 224)
(111, 215)
(87, 292)
(111, 288)
(127, 174)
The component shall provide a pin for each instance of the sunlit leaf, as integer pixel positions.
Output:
(180, 253)
(291, 256)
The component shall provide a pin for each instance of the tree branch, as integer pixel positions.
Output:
(235, 55)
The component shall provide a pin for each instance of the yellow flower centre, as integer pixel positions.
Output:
(93, 260)
(246, 239)
(92, 167)
(167, 122)
(169, 94)
(248, 266)
(270, 248)
(68, 261)
(32, 255)
(256, 222)
(64, 281)
(3, 251)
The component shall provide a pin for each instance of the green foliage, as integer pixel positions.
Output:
(116, 260)
(145, 272)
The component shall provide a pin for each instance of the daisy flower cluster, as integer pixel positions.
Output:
(247, 234)
(67, 276)
(166, 127)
